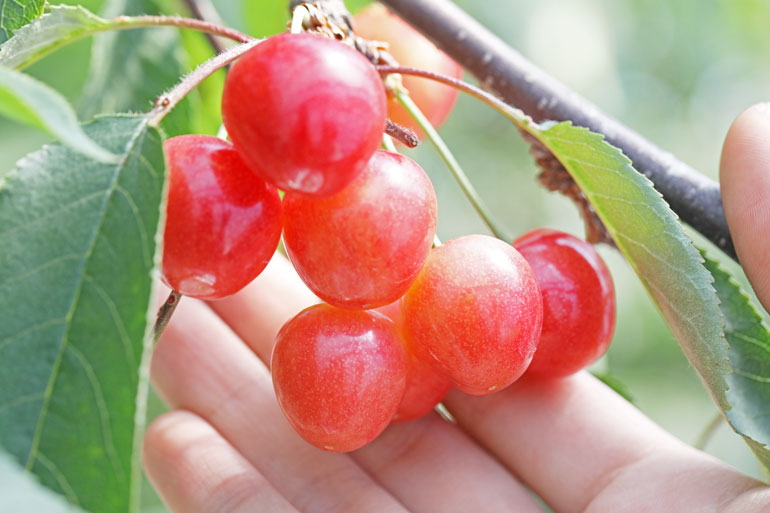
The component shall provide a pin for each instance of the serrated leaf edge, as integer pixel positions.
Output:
(752, 310)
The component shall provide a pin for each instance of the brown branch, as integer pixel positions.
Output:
(502, 70)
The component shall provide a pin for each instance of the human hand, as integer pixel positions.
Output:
(226, 446)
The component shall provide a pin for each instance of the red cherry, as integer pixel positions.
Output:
(476, 310)
(578, 301)
(306, 112)
(425, 386)
(223, 222)
(363, 246)
(410, 48)
(339, 375)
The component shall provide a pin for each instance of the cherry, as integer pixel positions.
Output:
(306, 112)
(363, 246)
(339, 375)
(410, 48)
(223, 222)
(578, 301)
(476, 310)
(425, 386)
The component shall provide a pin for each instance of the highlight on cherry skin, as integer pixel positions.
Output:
(223, 222)
(306, 112)
(578, 301)
(412, 49)
(364, 246)
(425, 386)
(339, 375)
(476, 311)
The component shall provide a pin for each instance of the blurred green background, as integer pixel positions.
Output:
(677, 72)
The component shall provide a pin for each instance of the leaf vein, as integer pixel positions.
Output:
(101, 406)
(138, 130)
(116, 318)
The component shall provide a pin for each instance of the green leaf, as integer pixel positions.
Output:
(131, 69)
(60, 26)
(749, 356)
(20, 492)
(79, 245)
(14, 14)
(649, 235)
(29, 101)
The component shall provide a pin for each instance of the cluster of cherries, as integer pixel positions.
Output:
(401, 322)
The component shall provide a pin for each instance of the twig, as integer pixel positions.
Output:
(499, 68)
(164, 314)
(402, 133)
(168, 100)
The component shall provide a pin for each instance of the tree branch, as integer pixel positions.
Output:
(502, 70)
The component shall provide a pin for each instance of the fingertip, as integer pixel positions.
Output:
(744, 175)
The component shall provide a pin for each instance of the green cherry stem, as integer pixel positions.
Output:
(168, 100)
(454, 167)
(388, 144)
(708, 432)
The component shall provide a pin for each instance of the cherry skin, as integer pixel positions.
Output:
(363, 247)
(306, 112)
(425, 386)
(339, 375)
(476, 310)
(223, 222)
(578, 301)
(410, 48)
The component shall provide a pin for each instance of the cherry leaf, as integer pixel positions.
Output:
(76, 311)
(29, 101)
(14, 14)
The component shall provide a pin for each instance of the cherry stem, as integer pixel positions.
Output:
(164, 314)
(446, 155)
(388, 144)
(708, 432)
(131, 22)
(514, 114)
(168, 100)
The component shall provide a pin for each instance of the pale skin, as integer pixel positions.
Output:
(226, 447)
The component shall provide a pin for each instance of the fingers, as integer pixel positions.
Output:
(575, 442)
(201, 366)
(431, 465)
(195, 470)
(428, 465)
(745, 180)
